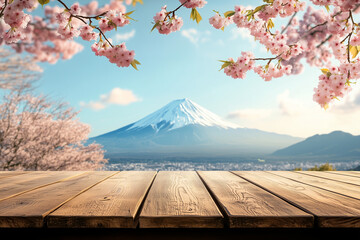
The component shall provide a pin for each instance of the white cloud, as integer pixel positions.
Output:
(194, 36)
(116, 96)
(125, 36)
(289, 106)
(243, 33)
(249, 113)
(119, 96)
(350, 102)
(302, 117)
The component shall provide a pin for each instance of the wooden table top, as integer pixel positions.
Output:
(180, 199)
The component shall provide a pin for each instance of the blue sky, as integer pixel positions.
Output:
(185, 64)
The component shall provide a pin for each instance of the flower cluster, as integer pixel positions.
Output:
(166, 24)
(306, 38)
(219, 22)
(113, 19)
(16, 19)
(344, 5)
(87, 33)
(52, 37)
(335, 82)
(283, 8)
(239, 68)
(272, 71)
(193, 3)
(117, 54)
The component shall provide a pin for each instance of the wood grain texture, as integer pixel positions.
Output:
(248, 206)
(332, 176)
(10, 187)
(29, 209)
(6, 174)
(113, 203)
(346, 189)
(179, 200)
(347, 173)
(331, 209)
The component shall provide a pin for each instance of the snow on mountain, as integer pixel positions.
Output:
(181, 128)
(180, 113)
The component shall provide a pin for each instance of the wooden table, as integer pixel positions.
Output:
(141, 200)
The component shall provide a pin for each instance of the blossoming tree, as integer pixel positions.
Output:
(326, 37)
(35, 133)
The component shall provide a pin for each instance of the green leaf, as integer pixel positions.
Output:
(195, 15)
(229, 13)
(258, 8)
(270, 24)
(326, 106)
(192, 14)
(198, 17)
(325, 70)
(354, 51)
(268, 1)
(134, 63)
(226, 64)
(134, 2)
(327, 8)
(129, 13)
(155, 25)
(43, 2)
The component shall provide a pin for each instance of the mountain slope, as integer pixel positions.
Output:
(184, 127)
(336, 143)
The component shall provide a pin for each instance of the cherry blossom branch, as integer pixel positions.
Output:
(289, 23)
(3, 8)
(350, 34)
(323, 42)
(173, 11)
(88, 17)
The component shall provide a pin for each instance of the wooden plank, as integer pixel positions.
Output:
(10, 187)
(179, 199)
(335, 177)
(113, 203)
(347, 173)
(346, 189)
(29, 209)
(248, 206)
(330, 209)
(6, 174)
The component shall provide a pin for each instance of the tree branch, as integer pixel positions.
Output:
(289, 23)
(3, 8)
(81, 18)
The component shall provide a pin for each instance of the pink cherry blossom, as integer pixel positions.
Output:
(168, 25)
(193, 3)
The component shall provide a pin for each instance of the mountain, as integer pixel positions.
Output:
(184, 128)
(334, 144)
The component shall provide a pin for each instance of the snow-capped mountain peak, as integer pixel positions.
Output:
(180, 113)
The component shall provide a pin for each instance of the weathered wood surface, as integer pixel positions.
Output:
(112, 203)
(5, 174)
(330, 209)
(179, 199)
(249, 206)
(19, 184)
(348, 173)
(332, 176)
(346, 189)
(29, 209)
